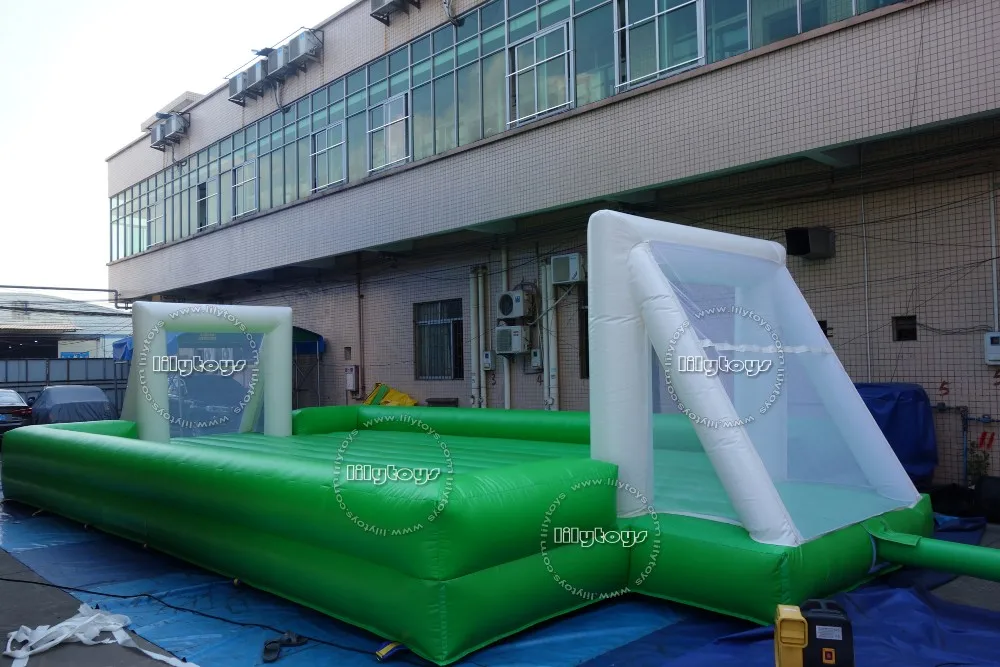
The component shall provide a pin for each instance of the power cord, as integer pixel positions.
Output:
(410, 659)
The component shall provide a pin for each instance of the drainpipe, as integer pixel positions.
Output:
(552, 338)
(475, 352)
(505, 285)
(482, 397)
(361, 332)
(543, 333)
(993, 249)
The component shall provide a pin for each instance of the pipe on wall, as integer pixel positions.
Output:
(504, 286)
(475, 352)
(361, 332)
(543, 333)
(552, 338)
(483, 398)
(993, 249)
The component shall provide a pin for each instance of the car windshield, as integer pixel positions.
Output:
(8, 398)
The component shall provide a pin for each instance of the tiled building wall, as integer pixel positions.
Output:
(893, 73)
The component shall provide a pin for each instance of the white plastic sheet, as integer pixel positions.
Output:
(85, 627)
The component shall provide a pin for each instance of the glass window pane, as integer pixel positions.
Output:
(550, 78)
(203, 158)
(336, 91)
(378, 70)
(422, 73)
(399, 61)
(289, 134)
(522, 26)
(378, 92)
(494, 94)
(491, 14)
(378, 149)
(595, 54)
(226, 196)
(239, 140)
(305, 179)
(469, 110)
(869, 5)
(444, 62)
(320, 119)
(678, 36)
(251, 134)
(444, 113)
(551, 44)
(322, 174)
(524, 100)
(288, 117)
(399, 83)
(467, 52)
(422, 109)
(726, 28)
(515, 7)
(642, 51)
(552, 12)
(265, 181)
(493, 39)
(773, 20)
(265, 143)
(376, 117)
(334, 135)
(319, 99)
(396, 148)
(335, 164)
(524, 55)
(357, 149)
(356, 102)
(291, 180)
(396, 109)
(239, 156)
(818, 13)
(580, 6)
(337, 112)
(226, 145)
(640, 9)
(277, 139)
(303, 109)
(468, 26)
(356, 82)
(263, 127)
(277, 178)
(443, 38)
(421, 49)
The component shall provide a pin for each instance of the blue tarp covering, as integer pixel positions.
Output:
(893, 625)
(904, 413)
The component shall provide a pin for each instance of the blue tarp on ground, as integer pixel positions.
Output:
(904, 413)
(894, 626)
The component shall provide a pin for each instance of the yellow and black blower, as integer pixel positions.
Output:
(816, 634)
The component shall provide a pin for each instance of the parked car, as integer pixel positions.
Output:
(14, 411)
(64, 404)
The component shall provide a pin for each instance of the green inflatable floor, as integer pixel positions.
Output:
(453, 564)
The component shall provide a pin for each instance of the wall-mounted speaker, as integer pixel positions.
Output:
(810, 242)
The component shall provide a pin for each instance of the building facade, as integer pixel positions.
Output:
(375, 190)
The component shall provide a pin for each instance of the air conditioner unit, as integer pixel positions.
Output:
(157, 134)
(175, 126)
(277, 62)
(256, 75)
(511, 304)
(238, 87)
(381, 9)
(512, 340)
(305, 46)
(568, 269)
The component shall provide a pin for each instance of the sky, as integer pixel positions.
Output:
(87, 75)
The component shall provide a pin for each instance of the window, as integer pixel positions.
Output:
(904, 328)
(154, 223)
(773, 20)
(328, 157)
(539, 75)
(726, 29)
(823, 325)
(659, 36)
(584, 331)
(245, 188)
(594, 42)
(208, 203)
(388, 136)
(438, 340)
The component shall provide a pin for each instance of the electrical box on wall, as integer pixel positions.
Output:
(351, 374)
(487, 360)
(991, 342)
(536, 358)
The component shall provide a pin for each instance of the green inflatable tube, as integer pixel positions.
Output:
(917, 551)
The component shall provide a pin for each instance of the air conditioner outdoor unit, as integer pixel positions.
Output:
(277, 62)
(381, 9)
(238, 87)
(256, 75)
(175, 127)
(157, 133)
(511, 304)
(568, 269)
(303, 47)
(512, 340)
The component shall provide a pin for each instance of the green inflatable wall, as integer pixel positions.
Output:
(447, 565)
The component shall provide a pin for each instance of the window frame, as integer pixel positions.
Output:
(341, 146)
(569, 70)
(456, 340)
(623, 32)
(201, 225)
(383, 106)
(237, 184)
